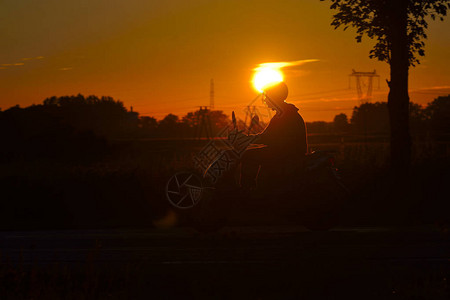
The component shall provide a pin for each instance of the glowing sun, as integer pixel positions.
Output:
(265, 76)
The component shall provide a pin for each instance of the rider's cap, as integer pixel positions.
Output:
(277, 92)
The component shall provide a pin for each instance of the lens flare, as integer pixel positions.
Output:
(265, 76)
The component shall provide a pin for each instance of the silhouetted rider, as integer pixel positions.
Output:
(284, 137)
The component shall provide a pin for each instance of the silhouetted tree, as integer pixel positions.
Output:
(217, 119)
(148, 123)
(340, 123)
(39, 132)
(438, 114)
(374, 118)
(319, 127)
(104, 116)
(417, 118)
(190, 118)
(169, 125)
(399, 28)
(371, 118)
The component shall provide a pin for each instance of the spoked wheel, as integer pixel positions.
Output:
(196, 205)
(184, 190)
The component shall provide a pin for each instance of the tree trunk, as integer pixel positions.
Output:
(398, 99)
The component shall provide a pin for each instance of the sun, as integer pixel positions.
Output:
(265, 76)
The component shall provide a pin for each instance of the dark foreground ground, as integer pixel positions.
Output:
(235, 263)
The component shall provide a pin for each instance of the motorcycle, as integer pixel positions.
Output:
(307, 191)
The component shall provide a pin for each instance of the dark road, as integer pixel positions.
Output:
(249, 262)
(231, 245)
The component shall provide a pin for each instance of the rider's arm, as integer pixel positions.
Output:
(258, 138)
(264, 136)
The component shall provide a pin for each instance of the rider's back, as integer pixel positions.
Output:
(286, 132)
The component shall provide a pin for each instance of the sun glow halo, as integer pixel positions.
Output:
(265, 76)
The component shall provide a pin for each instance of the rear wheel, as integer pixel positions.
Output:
(326, 196)
(211, 214)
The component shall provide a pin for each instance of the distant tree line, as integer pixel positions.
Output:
(373, 118)
(198, 123)
(69, 126)
(61, 125)
(104, 117)
(79, 126)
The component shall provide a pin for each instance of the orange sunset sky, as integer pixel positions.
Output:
(159, 56)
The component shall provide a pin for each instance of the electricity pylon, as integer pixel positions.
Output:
(360, 84)
(203, 123)
(203, 119)
(252, 110)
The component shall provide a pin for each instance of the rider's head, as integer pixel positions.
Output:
(275, 94)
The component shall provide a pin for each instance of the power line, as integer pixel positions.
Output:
(317, 93)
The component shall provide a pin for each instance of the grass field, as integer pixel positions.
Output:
(125, 187)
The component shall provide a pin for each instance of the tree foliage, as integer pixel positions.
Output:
(372, 18)
(398, 26)
(438, 112)
(103, 115)
(371, 118)
(340, 123)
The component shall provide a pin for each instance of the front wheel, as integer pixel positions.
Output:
(184, 190)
